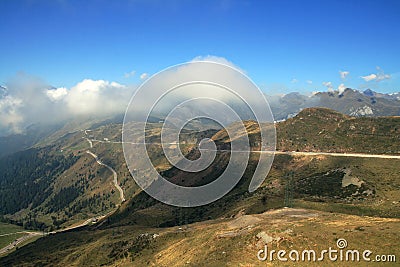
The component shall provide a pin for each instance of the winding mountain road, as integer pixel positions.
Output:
(90, 142)
(115, 180)
(30, 235)
(355, 155)
(333, 154)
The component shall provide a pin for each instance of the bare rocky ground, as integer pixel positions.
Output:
(236, 241)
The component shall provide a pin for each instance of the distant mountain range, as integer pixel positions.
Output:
(351, 102)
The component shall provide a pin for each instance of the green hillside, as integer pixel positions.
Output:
(64, 193)
(337, 188)
(319, 129)
(122, 239)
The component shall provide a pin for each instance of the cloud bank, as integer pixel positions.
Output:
(28, 100)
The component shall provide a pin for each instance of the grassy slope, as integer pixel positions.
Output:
(6, 228)
(318, 129)
(118, 241)
(142, 214)
(220, 242)
(312, 130)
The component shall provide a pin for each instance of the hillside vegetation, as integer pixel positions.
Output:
(332, 195)
(319, 129)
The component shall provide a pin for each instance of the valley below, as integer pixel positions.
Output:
(333, 177)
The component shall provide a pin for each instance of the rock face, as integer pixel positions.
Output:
(362, 111)
(264, 237)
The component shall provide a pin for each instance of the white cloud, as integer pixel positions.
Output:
(341, 88)
(29, 101)
(212, 59)
(343, 74)
(216, 59)
(143, 76)
(10, 118)
(187, 73)
(294, 80)
(25, 102)
(379, 76)
(130, 74)
(309, 81)
(57, 94)
(96, 97)
(370, 77)
(328, 85)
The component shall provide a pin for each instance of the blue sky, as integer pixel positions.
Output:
(282, 45)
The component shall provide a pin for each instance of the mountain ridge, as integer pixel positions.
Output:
(350, 102)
